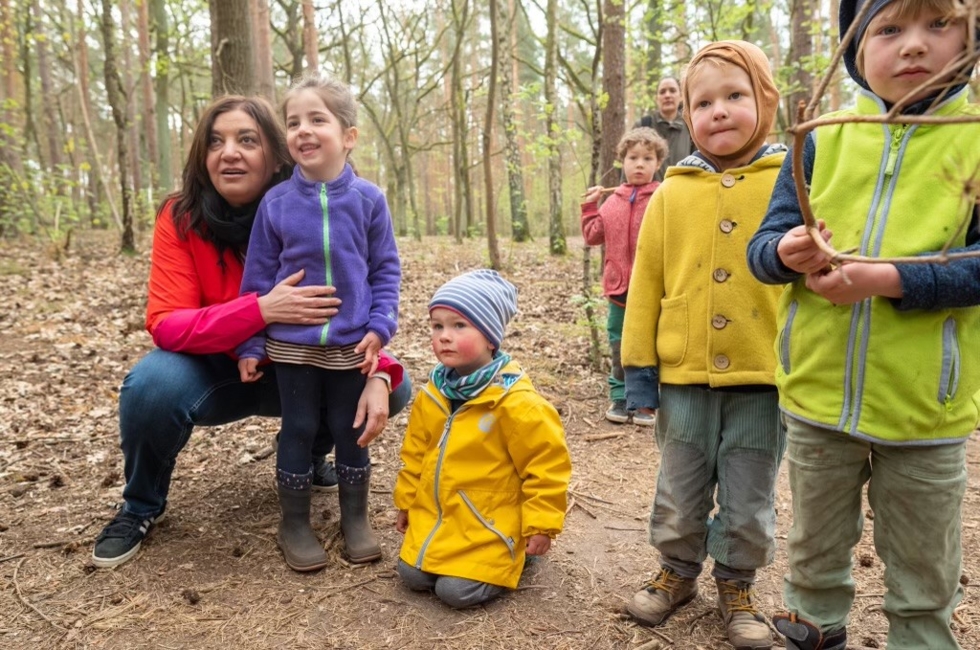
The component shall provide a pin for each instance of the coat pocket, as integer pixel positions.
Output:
(488, 524)
(672, 331)
(949, 375)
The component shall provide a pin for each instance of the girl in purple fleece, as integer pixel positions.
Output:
(336, 228)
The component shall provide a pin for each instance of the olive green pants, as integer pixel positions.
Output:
(915, 494)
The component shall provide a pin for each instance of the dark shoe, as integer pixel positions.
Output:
(617, 412)
(362, 543)
(746, 627)
(661, 597)
(803, 635)
(121, 539)
(299, 544)
(643, 419)
(324, 475)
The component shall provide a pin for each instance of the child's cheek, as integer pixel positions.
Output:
(467, 347)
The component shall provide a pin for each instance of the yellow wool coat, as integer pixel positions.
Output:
(478, 482)
(694, 311)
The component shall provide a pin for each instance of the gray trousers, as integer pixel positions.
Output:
(716, 446)
(455, 592)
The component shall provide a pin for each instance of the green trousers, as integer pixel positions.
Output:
(614, 330)
(915, 494)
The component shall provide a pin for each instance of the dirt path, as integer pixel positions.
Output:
(211, 576)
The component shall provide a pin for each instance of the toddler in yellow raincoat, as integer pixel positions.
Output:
(486, 467)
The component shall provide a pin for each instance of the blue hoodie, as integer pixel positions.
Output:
(341, 233)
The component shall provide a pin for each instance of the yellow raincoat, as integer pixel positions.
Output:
(478, 482)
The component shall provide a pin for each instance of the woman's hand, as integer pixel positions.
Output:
(287, 303)
(372, 406)
(401, 521)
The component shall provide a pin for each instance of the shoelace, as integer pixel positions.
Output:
(738, 599)
(666, 580)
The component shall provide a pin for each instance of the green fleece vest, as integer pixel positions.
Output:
(867, 369)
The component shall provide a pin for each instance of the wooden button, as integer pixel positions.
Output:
(720, 275)
(728, 180)
(722, 362)
(726, 226)
(719, 322)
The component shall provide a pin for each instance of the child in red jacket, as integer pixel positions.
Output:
(617, 224)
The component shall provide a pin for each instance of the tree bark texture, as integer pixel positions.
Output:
(556, 229)
(232, 67)
(492, 248)
(115, 94)
(614, 87)
(520, 228)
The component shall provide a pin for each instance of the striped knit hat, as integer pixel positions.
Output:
(483, 298)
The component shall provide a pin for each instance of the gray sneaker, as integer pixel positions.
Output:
(643, 419)
(121, 539)
(661, 597)
(617, 412)
(324, 475)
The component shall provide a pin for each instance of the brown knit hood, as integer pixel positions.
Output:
(754, 61)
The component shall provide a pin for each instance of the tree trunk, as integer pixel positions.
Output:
(800, 49)
(162, 87)
(114, 92)
(461, 164)
(49, 100)
(492, 247)
(556, 229)
(311, 44)
(265, 83)
(232, 68)
(655, 55)
(614, 86)
(129, 99)
(147, 127)
(520, 228)
(834, 87)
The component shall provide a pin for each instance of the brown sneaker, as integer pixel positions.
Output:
(661, 597)
(746, 627)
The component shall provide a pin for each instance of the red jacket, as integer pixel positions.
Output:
(194, 306)
(617, 225)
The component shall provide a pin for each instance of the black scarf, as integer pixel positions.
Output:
(227, 226)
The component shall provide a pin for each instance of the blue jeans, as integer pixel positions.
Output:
(167, 394)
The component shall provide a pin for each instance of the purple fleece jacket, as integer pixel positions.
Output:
(340, 232)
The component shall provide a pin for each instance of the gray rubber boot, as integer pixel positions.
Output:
(362, 543)
(299, 544)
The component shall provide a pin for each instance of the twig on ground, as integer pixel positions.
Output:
(590, 497)
(624, 528)
(10, 557)
(55, 544)
(584, 509)
(592, 437)
(694, 621)
(27, 603)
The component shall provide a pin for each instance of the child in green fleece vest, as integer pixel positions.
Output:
(878, 372)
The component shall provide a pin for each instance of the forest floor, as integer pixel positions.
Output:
(210, 575)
